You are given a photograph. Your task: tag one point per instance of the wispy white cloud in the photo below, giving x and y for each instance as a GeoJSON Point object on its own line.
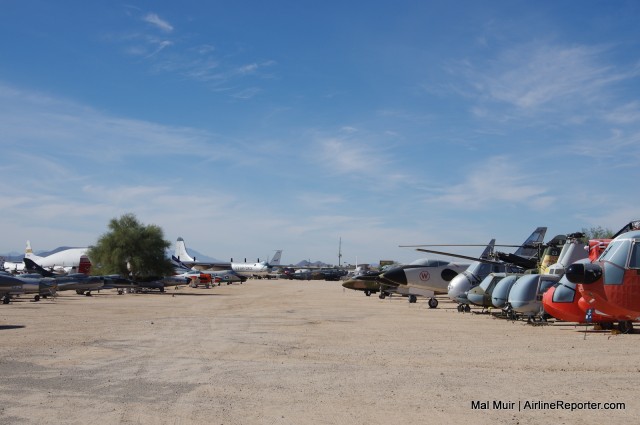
{"type": "Point", "coordinates": [28, 119]}
{"type": "Point", "coordinates": [498, 180]}
{"type": "Point", "coordinates": [542, 76]}
{"type": "Point", "coordinates": [628, 113]}
{"type": "Point", "coordinates": [160, 46]}
{"type": "Point", "coordinates": [247, 93]}
{"type": "Point", "coordinates": [199, 62]}
{"type": "Point", "coordinates": [158, 22]}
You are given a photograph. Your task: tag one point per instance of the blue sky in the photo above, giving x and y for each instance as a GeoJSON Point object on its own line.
{"type": "Point", "coordinates": [250, 126]}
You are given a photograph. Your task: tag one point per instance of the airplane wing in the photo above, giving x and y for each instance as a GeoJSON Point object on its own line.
{"type": "Point", "coordinates": [190, 266]}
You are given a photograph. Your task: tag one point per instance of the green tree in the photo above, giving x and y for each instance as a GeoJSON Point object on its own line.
{"type": "Point", "coordinates": [597, 233]}
{"type": "Point", "coordinates": [131, 249]}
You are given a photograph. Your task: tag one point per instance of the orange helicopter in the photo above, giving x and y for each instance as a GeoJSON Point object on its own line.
{"type": "Point", "coordinates": [563, 301]}
{"type": "Point", "coordinates": [567, 300]}
{"type": "Point", "coordinates": [610, 285]}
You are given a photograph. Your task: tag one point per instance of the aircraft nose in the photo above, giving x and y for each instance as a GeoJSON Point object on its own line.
{"type": "Point", "coordinates": [349, 284]}
{"type": "Point", "coordinates": [396, 275]}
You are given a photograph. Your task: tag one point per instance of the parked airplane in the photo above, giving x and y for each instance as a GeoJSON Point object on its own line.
{"type": "Point", "coordinates": [14, 267]}
{"type": "Point", "coordinates": [66, 261]}
{"type": "Point", "coordinates": [258, 269]}
{"type": "Point", "coordinates": [26, 284]}
{"type": "Point", "coordinates": [371, 282]}
{"type": "Point", "coordinates": [366, 282]}
{"type": "Point", "coordinates": [79, 282]}
{"type": "Point", "coordinates": [208, 276]}
{"type": "Point", "coordinates": [426, 277]}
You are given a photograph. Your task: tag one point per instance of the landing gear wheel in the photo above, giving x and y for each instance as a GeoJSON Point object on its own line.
{"type": "Point", "coordinates": [460, 308]}
{"type": "Point", "coordinates": [413, 299]}
{"type": "Point", "coordinates": [6, 299]}
{"type": "Point", "coordinates": [36, 298]}
{"type": "Point", "coordinates": [467, 308]}
{"type": "Point", "coordinates": [433, 303]}
{"type": "Point", "coordinates": [625, 327]}
{"type": "Point", "coordinates": [79, 292]}
{"type": "Point", "coordinates": [382, 295]}
{"type": "Point", "coordinates": [367, 292]}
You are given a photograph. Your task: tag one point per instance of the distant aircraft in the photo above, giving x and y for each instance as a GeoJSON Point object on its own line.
{"type": "Point", "coordinates": [12, 266]}
{"type": "Point", "coordinates": [228, 276]}
{"type": "Point", "coordinates": [66, 261]}
{"type": "Point", "coordinates": [258, 269]}
{"type": "Point", "coordinates": [79, 282]}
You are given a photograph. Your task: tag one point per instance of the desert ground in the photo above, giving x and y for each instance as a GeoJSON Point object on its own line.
{"type": "Point", "coordinates": [300, 352]}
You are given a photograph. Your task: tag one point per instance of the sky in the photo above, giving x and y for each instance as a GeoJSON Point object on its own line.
{"type": "Point", "coordinates": [250, 126]}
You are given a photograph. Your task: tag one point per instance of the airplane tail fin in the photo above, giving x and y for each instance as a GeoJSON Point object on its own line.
{"type": "Point", "coordinates": [33, 267]}
{"type": "Point", "coordinates": [488, 250]}
{"type": "Point", "coordinates": [530, 246]}
{"type": "Point", "coordinates": [181, 251]}
{"type": "Point", "coordinates": [179, 265]}
{"type": "Point", "coordinates": [28, 253]}
{"type": "Point", "coordinates": [275, 261]}
{"type": "Point", "coordinates": [84, 266]}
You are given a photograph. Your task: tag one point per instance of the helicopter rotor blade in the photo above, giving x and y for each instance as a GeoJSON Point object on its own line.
{"type": "Point", "coordinates": [466, 257]}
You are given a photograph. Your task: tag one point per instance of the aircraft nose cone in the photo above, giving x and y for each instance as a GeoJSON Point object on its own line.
{"type": "Point", "coordinates": [396, 275]}
{"type": "Point", "coordinates": [349, 284]}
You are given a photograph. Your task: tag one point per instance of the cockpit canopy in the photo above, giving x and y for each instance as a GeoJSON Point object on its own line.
{"type": "Point", "coordinates": [623, 251]}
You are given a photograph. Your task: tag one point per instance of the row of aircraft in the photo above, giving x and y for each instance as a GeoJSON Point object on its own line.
{"type": "Point", "coordinates": [69, 270]}
{"type": "Point", "coordinates": [596, 283]}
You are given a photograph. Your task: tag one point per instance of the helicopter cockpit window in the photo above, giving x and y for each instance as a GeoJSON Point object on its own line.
{"type": "Point", "coordinates": [617, 252]}
{"type": "Point", "coordinates": [546, 284]}
{"type": "Point", "coordinates": [565, 292]}
{"type": "Point", "coordinates": [634, 259]}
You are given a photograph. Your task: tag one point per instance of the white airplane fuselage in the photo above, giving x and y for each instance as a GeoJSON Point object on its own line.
{"type": "Point", "coordinates": [251, 269]}
{"type": "Point", "coordinates": [63, 261]}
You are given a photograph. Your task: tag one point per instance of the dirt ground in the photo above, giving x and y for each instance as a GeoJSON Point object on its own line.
{"type": "Point", "coordinates": [292, 352]}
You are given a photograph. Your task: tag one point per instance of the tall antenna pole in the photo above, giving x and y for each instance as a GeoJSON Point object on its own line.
{"type": "Point", "coordinates": [340, 252]}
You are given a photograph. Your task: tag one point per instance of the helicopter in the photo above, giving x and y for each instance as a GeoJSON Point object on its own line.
{"type": "Point", "coordinates": [482, 295]}
{"type": "Point", "coordinates": [490, 262]}
{"type": "Point", "coordinates": [565, 301]}
{"type": "Point", "coordinates": [610, 285]}
{"type": "Point", "coordinates": [525, 297]}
